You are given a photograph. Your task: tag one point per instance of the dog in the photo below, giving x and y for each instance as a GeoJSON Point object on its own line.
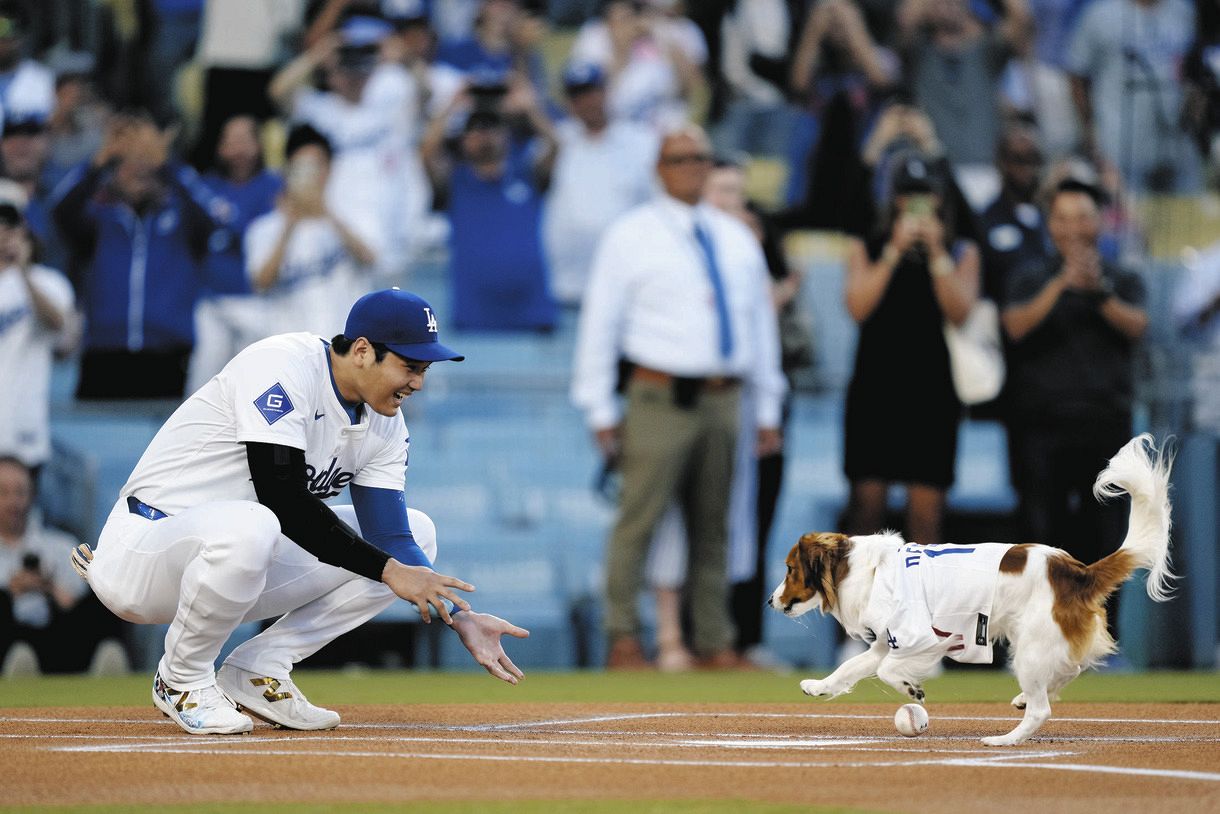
{"type": "Point", "coordinates": [917, 604]}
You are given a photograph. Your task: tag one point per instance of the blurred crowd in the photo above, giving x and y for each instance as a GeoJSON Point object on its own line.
{"type": "Point", "coordinates": [183, 177]}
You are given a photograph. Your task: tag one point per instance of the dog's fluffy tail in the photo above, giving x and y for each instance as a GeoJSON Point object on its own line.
{"type": "Point", "coordinates": [1142, 472]}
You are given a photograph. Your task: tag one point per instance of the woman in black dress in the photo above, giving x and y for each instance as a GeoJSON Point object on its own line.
{"type": "Point", "coordinates": [902, 413]}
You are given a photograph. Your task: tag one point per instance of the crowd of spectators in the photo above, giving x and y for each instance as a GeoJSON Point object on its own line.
{"type": "Point", "coordinates": [184, 177]}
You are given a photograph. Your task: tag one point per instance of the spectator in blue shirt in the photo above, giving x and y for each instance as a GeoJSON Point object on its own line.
{"type": "Point", "coordinates": [140, 225]}
{"type": "Point", "coordinates": [227, 317]}
{"type": "Point", "coordinates": [494, 186]}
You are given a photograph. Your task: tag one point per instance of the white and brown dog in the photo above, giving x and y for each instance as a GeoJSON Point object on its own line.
{"type": "Point", "coordinates": [917, 604]}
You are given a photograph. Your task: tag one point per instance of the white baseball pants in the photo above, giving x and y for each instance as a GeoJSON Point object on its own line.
{"type": "Point", "coordinates": [215, 566]}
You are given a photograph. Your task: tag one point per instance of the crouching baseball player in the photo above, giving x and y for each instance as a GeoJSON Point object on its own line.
{"type": "Point", "coordinates": [223, 520]}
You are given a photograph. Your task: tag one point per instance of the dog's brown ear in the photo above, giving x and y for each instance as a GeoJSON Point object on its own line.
{"type": "Point", "coordinates": [810, 560]}
{"type": "Point", "coordinates": [824, 558]}
{"type": "Point", "coordinates": [810, 566]}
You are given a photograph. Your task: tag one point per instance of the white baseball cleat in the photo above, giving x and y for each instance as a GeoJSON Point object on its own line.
{"type": "Point", "coordinates": [204, 711]}
{"type": "Point", "coordinates": [276, 700]}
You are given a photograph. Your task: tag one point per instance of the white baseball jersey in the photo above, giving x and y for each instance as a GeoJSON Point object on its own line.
{"type": "Point", "coordinates": [937, 596]}
{"type": "Point", "coordinates": [317, 279]}
{"type": "Point", "coordinates": [25, 356]}
{"type": "Point", "coordinates": [277, 391]}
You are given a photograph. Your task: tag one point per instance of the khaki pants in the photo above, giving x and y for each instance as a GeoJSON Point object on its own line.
{"type": "Point", "coordinates": [670, 453]}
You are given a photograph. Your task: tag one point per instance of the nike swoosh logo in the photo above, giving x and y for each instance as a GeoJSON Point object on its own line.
{"type": "Point", "coordinates": [316, 416]}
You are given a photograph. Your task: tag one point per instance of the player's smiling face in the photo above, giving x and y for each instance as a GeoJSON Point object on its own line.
{"type": "Point", "coordinates": [387, 383]}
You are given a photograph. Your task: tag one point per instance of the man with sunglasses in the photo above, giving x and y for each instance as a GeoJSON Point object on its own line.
{"type": "Point", "coordinates": [1013, 229]}
{"type": "Point", "coordinates": [680, 292]}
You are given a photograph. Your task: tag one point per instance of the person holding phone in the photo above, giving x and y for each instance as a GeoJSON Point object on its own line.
{"type": "Point", "coordinates": [493, 178]}
{"type": "Point", "coordinates": [902, 413]}
{"type": "Point", "coordinates": [302, 257]}
{"type": "Point", "coordinates": [36, 305]}
{"type": "Point", "coordinates": [42, 603]}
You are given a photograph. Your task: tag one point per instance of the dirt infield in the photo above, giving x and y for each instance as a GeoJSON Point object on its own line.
{"type": "Point", "coordinates": [1091, 757]}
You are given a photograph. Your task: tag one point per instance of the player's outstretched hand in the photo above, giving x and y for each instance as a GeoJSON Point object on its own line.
{"type": "Point", "coordinates": [480, 633]}
{"type": "Point", "coordinates": [425, 588]}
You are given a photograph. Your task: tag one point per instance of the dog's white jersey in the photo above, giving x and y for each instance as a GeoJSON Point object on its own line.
{"type": "Point", "coordinates": [936, 597]}
{"type": "Point", "coordinates": [277, 391]}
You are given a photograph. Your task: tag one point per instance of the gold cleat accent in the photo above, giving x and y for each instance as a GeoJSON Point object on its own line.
{"type": "Point", "coordinates": [272, 685]}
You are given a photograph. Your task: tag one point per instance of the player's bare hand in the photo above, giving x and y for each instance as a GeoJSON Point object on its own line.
{"type": "Point", "coordinates": [480, 634]}
{"type": "Point", "coordinates": [425, 589]}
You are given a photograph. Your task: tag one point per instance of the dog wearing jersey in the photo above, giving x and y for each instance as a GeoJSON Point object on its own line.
{"type": "Point", "coordinates": [918, 604]}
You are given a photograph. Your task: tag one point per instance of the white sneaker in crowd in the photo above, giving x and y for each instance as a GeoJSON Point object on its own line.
{"type": "Point", "coordinates": [109, 659]}
{"type": "Point", "coordinates": [276, 700]}
{"type": "Point", "coordinates": [20, 662]}
{"type": "Point", "coordinates": [764, 659]}
{"type": "Point", "coordinates": [204, 711]}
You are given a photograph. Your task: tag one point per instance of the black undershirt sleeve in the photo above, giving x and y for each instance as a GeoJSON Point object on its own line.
{"type": "Point", "coordinates": [278, 475]}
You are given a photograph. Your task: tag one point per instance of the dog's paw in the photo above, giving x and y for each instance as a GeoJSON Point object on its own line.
{"type": "Point", "coordinates": [914, 691]}
{"type": "Point", "coordinates": [814, 687]}
{"type": "Point", "coordinates": [1019, 701]}
{"type": "Point", "coordinates": [1002, 740]}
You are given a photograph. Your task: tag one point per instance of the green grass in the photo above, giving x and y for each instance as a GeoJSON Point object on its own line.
{"type": "Point", "coordinates": [415, 687]}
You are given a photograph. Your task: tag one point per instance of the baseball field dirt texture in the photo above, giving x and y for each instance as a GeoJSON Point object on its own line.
{"type": "Point", "coordinates": [593, 742]}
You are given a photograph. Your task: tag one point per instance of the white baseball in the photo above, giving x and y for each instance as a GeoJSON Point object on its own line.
{"type": "Point", "coordinates": [911, 720]}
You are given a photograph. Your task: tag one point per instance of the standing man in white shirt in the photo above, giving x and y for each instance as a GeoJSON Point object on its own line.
{"type": "Point", "coordinates": [604, 168]}
{"type": "Point", "coordinates": [679, 291]}
{"type": "Point", "coordinates": [223, 520]}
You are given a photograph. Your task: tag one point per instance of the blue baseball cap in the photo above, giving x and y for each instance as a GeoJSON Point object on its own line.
{"type": "Point", "coordinates": [581, 75]}
{"type": "Point", "coordinates": [401, 12]}
{"type": "Point", "coordinates": [364, 30]}
{"type": "Point", "coordinates": [401, 321]}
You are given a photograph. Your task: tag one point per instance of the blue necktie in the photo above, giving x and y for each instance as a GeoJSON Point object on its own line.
{"type": "Point", "coordinates": [722, 305]}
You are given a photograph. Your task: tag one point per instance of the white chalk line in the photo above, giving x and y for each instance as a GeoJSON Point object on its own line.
{"type": "Point", "coordinates": [201, 750]}
{"type": "Point", "coordinates": [225, 743]}
{"type": "Point", "coordinates": [224, 746]}
{"type": "Point", "coordinates": [637, 716]}
{"type": "Point", "coordinates": [742, 740]}
{"type": "Point", "coordinates": [1176, 774]}
{"type": "Point", "coordinates": [672, 733]}
{"type": "Point", "coordinates": [651, 715]}
{"type": "Point", "coordinates": [1007, 763]}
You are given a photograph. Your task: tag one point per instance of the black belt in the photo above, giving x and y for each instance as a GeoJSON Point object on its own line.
{"type": "Point", "coordinates": [143, 509]}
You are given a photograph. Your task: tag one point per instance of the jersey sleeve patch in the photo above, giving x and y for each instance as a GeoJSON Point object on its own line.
{"type": "Point", "coordinates": [274, 404]}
